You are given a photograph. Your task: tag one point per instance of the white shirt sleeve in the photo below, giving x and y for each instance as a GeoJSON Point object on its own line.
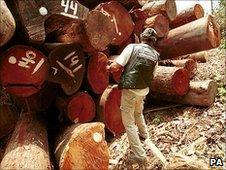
{"type": "Point", "coordinates": [124, 57]}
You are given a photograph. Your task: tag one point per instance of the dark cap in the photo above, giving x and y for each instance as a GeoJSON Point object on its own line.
{"type": "Point", "coordinates": [149, 34]}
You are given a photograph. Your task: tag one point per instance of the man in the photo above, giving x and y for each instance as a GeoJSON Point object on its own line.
{"type": "Point", "coordinates": [139, 62]}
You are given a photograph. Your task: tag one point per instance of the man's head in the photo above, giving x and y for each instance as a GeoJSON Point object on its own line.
{"type": "Point", "coordinates": [148, 36]}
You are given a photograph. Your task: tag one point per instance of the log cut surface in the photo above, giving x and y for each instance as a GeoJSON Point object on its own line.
{"type": "Point", "coordinates": [28, 146]}
{"type": "Point", "coordinates": [82, 147]}
{"type": "Point", "coordinates": [110, 113]}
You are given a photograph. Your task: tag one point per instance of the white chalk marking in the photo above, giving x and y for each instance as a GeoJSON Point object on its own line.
{"type": "Point", "coordinates": [55, 70]}
{"type": "Point", "coordinates": [30, 55]}
{"type": "Point", "coordinates": [97, 137]}
{"type": "Point", "coordinates": [73, 6]}
{"type": "Point", "coordinates": [43, 11]}
{"type": "Point", "coordinates": [12, 60]}
{"type": "Point", "coordinates": [116, 25]}
{"type": "Point", "coordinates": [69, 15]}
{"type": "Point", "coordinates": [77, 68]}
{"type": "Point", "coordinates": [38, 65]}
{"type": "Point", "coordinates": [68, 71]}
{"type": "Point", "coordinates": [69, 55]}
{"type": "Point", "coordinates": [74, 61]}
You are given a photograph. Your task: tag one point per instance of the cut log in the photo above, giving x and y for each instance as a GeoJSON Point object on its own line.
{"type": "Point", "coordinates": [201, 93]}
{"type": "Point", "coordinates": [188, 64]}
{"type": "Point", "coordinates": [199, 35]}
{"type": "Point", "coordinates": [82, 147]}
{"type": "Point", "coordinates": [97, 74]}
{"type": "Point", "coordinates": [8, 25]}
{"type": "Point", "coordinates": [165, 7]}
{"type": "Point", "coordinates": [110, 112]}
{"type": "Point", "coordinates": [40, 101]}
{"type": "Point", "coordinates": [187, 15]}
{"type": "Point", "coordinates": [8, 119]}
{"type": "Point", "coordinates": [100, 35]}
{"type": "Point", "coordinates": [170, 80]}
{"type": "Point", "coordinates": [63, 29]}
{"type": "Point", "coordinates": [158, 22]}
{"type": "Point", "coordinates": [28, 146]}
{"type": "Point", "coordinates": [23, 70]}
{"type": "Point", "coordinates": [78, 108]}
{"type": "Point", "coordinates": [51, 46]}
{"type": "Point", "coordinates": [33, 13]}
{"type": "Point", "coordinates": [123, 22]}
{"type": "Point", "coordinates": [201, 57]}
{"type": "Point", "coordinates": [67, 67]}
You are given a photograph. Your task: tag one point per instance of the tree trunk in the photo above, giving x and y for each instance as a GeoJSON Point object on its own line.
{"type": "Point", "coordinates": [67, 67]}
{"type": "Point", "coordinates": [170, 80]}
{"type": "Point", "coordinates": [201, 57]}
{"type": "Point", "coordinates": [77, 108]}
{"type": "Point", "coordinates": [165, 7]}
{"type": "Point", "coordinates": [201, 93]}
{"type": "Point", "coordinates": [199, 35]}
{"type": "Point", "coordinates": [188, 64]}
{"type": "Point", "coordinates": [33, 13]}
{"type": "Point", "coordinates": [97, 74]}
{"type": "Point", "coordinates": [8, 25]}
{"type": "Point", "coordinates": [23, 70]}
{"type": "Point", "coordinates": [8, 119]}
{"type": "Point", "coordinates": [158, 22]}
{"type": "Point", "coordinates": [109, 110]}
{"type": "Point", "coordinates": [187, 15]}
{"type": "Point", "coordinates": [28, 146]}
{"type": "Point", "coordinates": [82, 147]}
{"type": "Point", "coordinates": [123, 22]}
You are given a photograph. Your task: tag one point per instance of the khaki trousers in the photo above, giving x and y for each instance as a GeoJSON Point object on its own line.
{"type": "Point", "coordinates": [132, 107]}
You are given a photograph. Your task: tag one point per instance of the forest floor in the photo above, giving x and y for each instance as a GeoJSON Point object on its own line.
{"type": "Point", "coordinates": [187, 136]}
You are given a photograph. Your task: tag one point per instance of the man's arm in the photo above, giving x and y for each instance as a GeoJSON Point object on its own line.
{"type": "Point", "coordinates": [121, 60]}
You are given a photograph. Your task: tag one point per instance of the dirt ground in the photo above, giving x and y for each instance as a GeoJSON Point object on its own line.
{"type": "Point", "coordinates": [187, 136]}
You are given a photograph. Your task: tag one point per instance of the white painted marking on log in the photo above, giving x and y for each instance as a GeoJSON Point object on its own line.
{"type": "Point", "coordinates": [43, 11]}
{"type": "Point", "coordinates": [73, 6]}
{"type": "Point", "coordinates": [69, 15]}
{"type": "Point", "coordinates": [76, 120]}
{"type": "Point", "coordinates": [74, 61]}
{"type": "Point", "coordinates": [38, 65]}
{"type": "Point", "coordinates": [77, 68]}
{"type": "Point", "coordinates": [116, 25]}
{"type": "Point", "coordinates": [69, 55]}
{"type": "Point", "coordinates": [12, 60]}
{"type": "Point", "coordinates": [68, 71]}
{"type": "Point", "coordinates": [55, 70]}
{"type": "Point", "coordinates": [97, 137]}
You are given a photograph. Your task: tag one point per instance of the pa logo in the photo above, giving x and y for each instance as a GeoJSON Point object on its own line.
{"type": "Point", "coordinates": [216, 162]}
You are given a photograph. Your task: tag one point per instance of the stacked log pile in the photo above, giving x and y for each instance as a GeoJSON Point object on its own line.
{"type": "Point", "coordinates": [58, 72]}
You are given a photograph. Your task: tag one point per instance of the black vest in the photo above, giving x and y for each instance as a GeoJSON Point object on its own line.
{"type": "Point", "coordinates": [138, 73]}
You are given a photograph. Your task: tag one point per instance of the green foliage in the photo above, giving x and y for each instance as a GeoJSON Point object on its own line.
{"type": "Point", "coordinates": [220, 14]}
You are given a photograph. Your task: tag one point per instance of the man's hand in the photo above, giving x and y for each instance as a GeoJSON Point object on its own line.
{"type": "Point", "coordinates": [113, 67]}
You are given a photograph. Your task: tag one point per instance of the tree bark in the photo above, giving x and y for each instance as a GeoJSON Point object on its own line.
{"type": "Point", "coordinates": [28, 146]}
{"type": "Point", "coordinates": [97, 74]}
{"type": "Point", "coordinates": [201, 57]}
{"type": "Point", "coordinates": [123, 22]}
{"type": "Point", "coordinates": [82, 147]}
{"type": "Point", "coordinates": [67, 64]}
{"type": "Point", "coordinates": [187, 15]}
{"type": "Point", "coordinates": [165, 7]}
{"type": "Point", "coordinates": [188, 64]}
{"type": "Point", "coordinates": [158, 22]}
{"type": "Point", "coordinates": [8, 25]}
{"type": "Point", "coordinates": [8, 119]}
{"type": "Point", "coordinates": [201, 93]}
{"type": "Point", "coordinates": [199, 35]}
{"type": "Point", "coordinates": [33, 13]}
{"type": "Point", "coordinates": [23, 70]}
{"type": "Point", "coordinates": [109, 110]}
{"type": "Point", "coordinates": [77, 108]}
{"type": "Point", "coordinates": [170, 80]}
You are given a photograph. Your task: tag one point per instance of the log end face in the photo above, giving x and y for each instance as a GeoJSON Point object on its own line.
{"type": "Point", "coordinates": [100, 35]}
{"type": "Point", "coordinates": [199, 11]}
{"type": "Point", "coordinates": [81, 108]}
{"type": "Point", "coordinates": [180, 81]}
{"type": "Point", "coordinates": [171, 9]}
{"type": "Point", "coordinates": [213, 30]}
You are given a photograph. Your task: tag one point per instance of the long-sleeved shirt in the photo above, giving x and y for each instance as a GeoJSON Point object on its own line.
{"type": "Point", "coordinates": [123, 59]}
